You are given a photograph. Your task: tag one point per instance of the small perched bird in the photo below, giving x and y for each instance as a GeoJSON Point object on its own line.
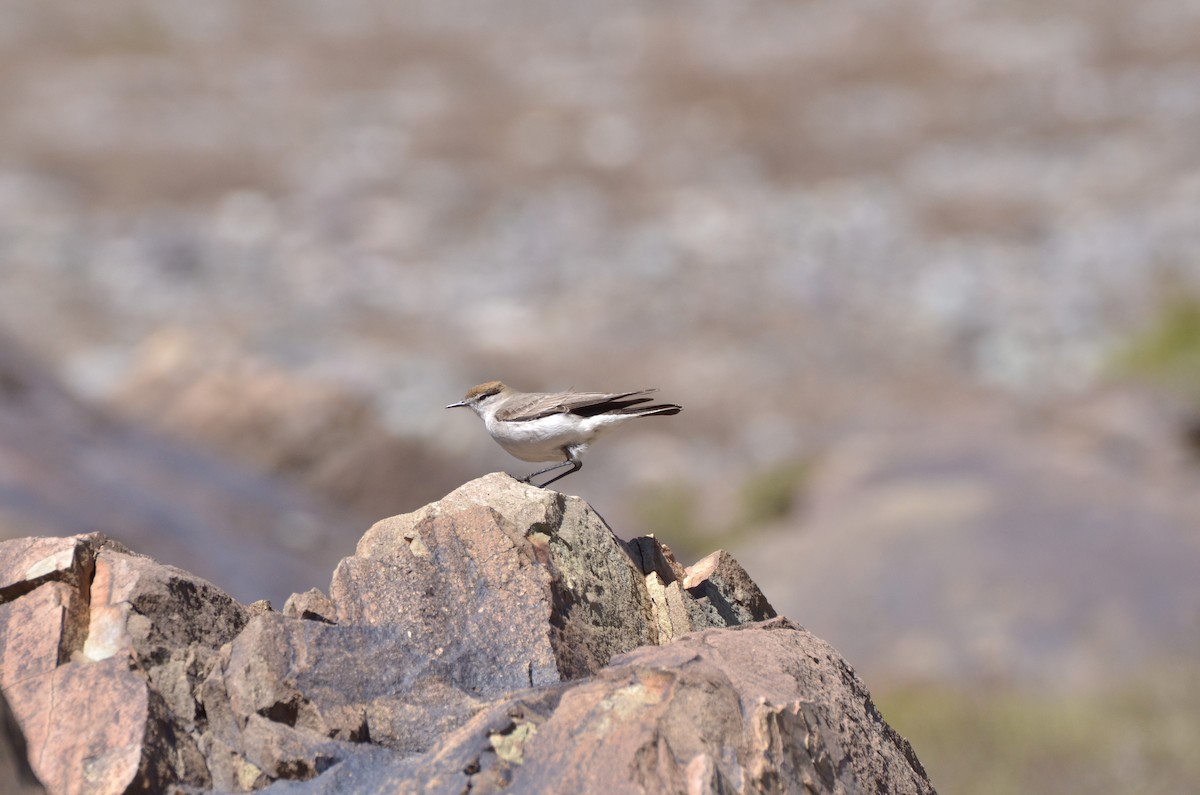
{"type": "Point", "coordinates": [555, 426]}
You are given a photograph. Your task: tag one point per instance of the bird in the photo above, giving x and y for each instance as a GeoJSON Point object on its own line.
{"type": "Point", "coordinates": [555, 426]}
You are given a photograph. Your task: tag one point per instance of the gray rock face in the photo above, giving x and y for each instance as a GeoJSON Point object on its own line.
{"type": "Point", "coordinates": [500, 638]}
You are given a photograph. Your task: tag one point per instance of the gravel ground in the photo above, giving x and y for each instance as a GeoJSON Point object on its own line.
{"type": "Point", "coordinates": [764, 195]}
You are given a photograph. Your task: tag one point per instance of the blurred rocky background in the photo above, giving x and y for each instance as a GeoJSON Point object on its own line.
{"type": "Point", "coordinates": [924, 274]}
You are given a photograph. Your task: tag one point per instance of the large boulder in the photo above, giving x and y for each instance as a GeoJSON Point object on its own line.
{"type": "Point", "coordinates": [500, 637]}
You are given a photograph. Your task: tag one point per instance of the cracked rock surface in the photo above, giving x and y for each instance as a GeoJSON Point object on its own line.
{"type": "Point", "coordinates": [502, 638]}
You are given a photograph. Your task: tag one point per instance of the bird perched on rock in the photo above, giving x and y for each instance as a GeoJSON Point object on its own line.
{"type": "Point", "coordinates": [555, 426]}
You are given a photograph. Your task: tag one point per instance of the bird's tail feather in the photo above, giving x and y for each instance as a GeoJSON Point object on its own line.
{"type": "Point", "coordinates": [663, 409]}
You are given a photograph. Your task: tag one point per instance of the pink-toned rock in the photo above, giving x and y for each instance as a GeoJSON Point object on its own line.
{"type": "Point", "coordinates": [100, 649]}
{"type": "Point", "coordinates": [98, 728]}
{"type": "Point", "coordinates": [15, 772]}
{"type": "Point", "coordinates": [40, 631]}
{"type": "Point", "coordinates": [25, 563]}
{"type": "Point", "coordinates": [500, 638]}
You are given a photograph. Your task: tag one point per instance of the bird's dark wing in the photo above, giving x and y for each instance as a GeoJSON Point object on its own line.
{"type": "Point", "coordinates": [585, 404]}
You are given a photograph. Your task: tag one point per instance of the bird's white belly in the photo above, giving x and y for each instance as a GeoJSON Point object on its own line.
{"type": "Point", "coordinates": [543, 439]}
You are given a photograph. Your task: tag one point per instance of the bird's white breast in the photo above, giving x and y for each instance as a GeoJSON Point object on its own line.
{"type": "Point", "coordinates": [543, 439]}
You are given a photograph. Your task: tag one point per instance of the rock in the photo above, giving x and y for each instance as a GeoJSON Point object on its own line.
{"type": "Point", "coordinates": [313, 605]}
{"type": "Point", "coordinates": [543, 548]}
{"type": "Point", "coordinates": [99, 661]}
{"type": "Point", "coordinates": [501, 637]}
{"type": "Point", "coordinates": [170, 622]}
{"type": "Point", "coordinates": [100, 728]}
{"type": "Point", "coordinates": [41, 631]}
{"type": "Point", "coordinates": [26, 564]}
{"type": "Point", "coordinates": [499, 586]}
{"type": "Point", "coordinates": [724, 587]}
{"type": "Point", "coordinates": [44, 611]}
{"type": "Point", "coordinates": [764, 707]}
{"type": "Point", "coordinates": [15, 771]}
{"type": "Point", "coordinates": [759, 708]}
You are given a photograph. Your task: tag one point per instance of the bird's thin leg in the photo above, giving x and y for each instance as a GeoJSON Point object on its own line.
{"type": "Point", "coordinates": [529, 478]}
{"type": "Point", "coordinates": [575, 467]}
{"type": "Point", "coordinates": [572, 459]}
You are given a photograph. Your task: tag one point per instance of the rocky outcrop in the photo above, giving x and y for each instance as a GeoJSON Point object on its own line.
{"type": "Point", "coordinates": [501, 638]}
{"type": "Point", "coordinates": [101, 651]}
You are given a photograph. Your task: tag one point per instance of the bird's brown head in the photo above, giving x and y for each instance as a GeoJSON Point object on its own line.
{"type": "Point", "coordinates": [485, 389]}
{"type": "Point", "coordinates": [481, 392]}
